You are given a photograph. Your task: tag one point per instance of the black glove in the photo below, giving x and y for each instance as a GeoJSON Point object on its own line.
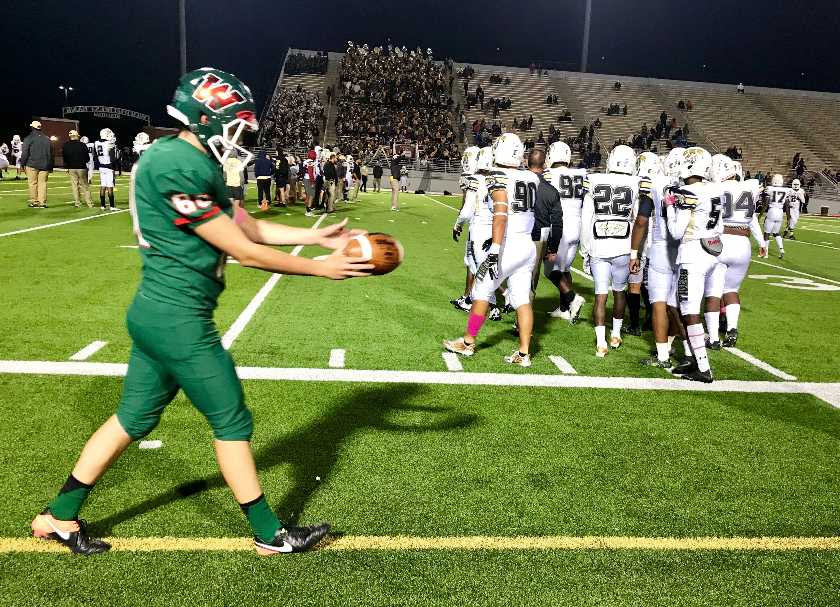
{"type": "Point", "coordinates": [491, 265]}
{"type": "Point", "coordinates": [456, 231]}
{"type": "Point", "coordinates": [487, 244]}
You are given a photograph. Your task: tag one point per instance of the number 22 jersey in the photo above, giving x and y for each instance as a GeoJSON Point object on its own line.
{"type": "Point", "coordinates": [610, 205]}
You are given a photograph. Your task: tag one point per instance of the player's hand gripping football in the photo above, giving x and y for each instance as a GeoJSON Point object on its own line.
{"type": "Point", "coordinates": [335, 237]}
{"type": "Point", "coordinates": [339, 266]}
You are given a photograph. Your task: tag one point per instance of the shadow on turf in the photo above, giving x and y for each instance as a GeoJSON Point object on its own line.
{"type": "Point", "coordinates": [314, 449]}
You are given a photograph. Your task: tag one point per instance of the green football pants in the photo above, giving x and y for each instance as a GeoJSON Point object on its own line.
{"type": "Point", "coordinates": [174, 348]}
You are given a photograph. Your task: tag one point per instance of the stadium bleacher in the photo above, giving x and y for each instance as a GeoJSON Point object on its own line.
{"type": "Point", "coordinates": [769, 125]}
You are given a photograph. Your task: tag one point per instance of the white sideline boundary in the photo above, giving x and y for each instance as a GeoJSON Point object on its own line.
{"type": "Point", "coordinates": [63, 223]}
{"type": "Point", "coordinates": [563, 365]}
{"type": "Point", "coordinates": [814, 244]}
{"type": "Point", "coordinates": [247, 314]}
{"type": "Point", "coordinates": [828, 392]}
{"type": "Point", "coordinates": [443, 204]}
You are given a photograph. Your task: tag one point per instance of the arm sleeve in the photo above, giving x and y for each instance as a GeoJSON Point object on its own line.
{"type": "Point", "coordinates": [587, 212]}
{"type": "Point", "coordinates": [677, 220]}
{"type": "Point", "coordinates": [189, 198]}
{"type": "Point", "coordinates": [645, 206]}
{"type": "Point", "coordinates": [556, 219]}
{"type": "Point", "coordinates": [467, 209]}
{"type": "Point", "coordinates": [755, 230]}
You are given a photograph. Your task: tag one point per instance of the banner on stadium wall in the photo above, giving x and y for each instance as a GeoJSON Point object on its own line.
{"type": "Point", "coordinates": [105, 111]}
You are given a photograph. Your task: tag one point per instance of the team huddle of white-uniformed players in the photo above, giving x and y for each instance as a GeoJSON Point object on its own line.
{"type": "Point", "coordinates": [675, 228]}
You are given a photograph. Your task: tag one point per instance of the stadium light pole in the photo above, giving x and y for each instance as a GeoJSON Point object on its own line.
{"type": "Point", "coordinates": [66, 90]}
{"type": "Point", "coordinates": [182, 31]}
{"type": "Point", "coordinates": [587, 22]}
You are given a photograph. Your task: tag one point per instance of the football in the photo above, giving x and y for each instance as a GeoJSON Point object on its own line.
{"type": "Point", "coordinates": [384, 251]}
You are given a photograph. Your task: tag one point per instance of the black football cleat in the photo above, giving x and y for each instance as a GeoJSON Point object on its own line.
{"type": "Point", "coordinates": [633, 330]}
{"type": "Point", "coordinates": [653, 361]}
{"type": "Point", "coordinates": [688, 365]}
{"type": "Point", "coordinates": [731, 338]}
{"type": "Point", "coordinates": [701, 376]}
{"type": "Point", "coordinates": [292, 539]}
{"type": "Point", "coordinates": [712, 345]}
{"type": "Point", "coordinates": [72, 534]}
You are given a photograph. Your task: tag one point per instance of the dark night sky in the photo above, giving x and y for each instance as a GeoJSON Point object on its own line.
{"type": "Point", "coordinates": [126, 53]}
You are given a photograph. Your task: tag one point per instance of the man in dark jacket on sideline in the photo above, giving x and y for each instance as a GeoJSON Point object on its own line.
{"type": "Point", "coordinates": [377, 178]}
{"type": "Point", "coordinates": [37, 157]}
{"type": "Point", "coordinates": [263, 171]}
{"type": "Point", "coordinates": [330, 176]}
{"type": "Point", "coordinates": [548, 216]}
{"type": "Point", "coordinates": [75, 155]}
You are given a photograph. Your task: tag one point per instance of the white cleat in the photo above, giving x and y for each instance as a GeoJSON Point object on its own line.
{"type": "Point", "coordinates": [601, 352]}
{"type": "Point", "coordinates": [518, 359]}
{"type": "Point", "coordinates": [615, 342]}
{"type": "Point", "coordinates": [575, 307]}
{"type": "Point", "coordinates": [564, 314]}
{"type": "Point", "coordinates": [459, 346]}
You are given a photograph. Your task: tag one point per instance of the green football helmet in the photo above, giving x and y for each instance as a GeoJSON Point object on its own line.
{"type": "Point", "coordinates": [217, 107]}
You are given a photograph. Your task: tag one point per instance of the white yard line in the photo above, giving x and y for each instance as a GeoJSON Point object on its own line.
{"type": "Point", "coordinates": [814, 244]}
{"type": "Point", "coordinates": [581, 273]}
{"type": "Point", "coordinates": [62, 223]}
{"type": "Point", "coordinates": [563, 364]}
{"type": "Point", "coordinates": [336, 359]}
{"type": "Point", "coordinates": [807, 229]}
{"type": "Point", "coordinates": [89, 350]}
{"type": "Point", "coordinates": [772, 265]}
{"type": "Point", "coordinates": [452, 362]}
{"type": "Point", "coordinates": [443, 204]}
{"type": "Point", "coordinates": [829, 391]}
{"type": "Point", "coordinates": [761, 364]}
{"type": "Point", "coordinates": [248, 313]}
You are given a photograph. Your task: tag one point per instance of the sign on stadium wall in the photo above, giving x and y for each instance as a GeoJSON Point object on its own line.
{"type": "Point", "coordinates": [105, 111]}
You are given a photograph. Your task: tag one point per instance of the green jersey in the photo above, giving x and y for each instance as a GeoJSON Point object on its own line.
{"type": "Point", "coordinates": [174, 188]}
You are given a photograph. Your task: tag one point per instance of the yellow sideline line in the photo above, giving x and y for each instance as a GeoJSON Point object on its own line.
{"type": "Point", "coordinates": [394, 543]}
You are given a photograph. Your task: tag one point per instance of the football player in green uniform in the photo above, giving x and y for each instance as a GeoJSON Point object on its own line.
{"type": "Point", "coordinates": [186, 227]}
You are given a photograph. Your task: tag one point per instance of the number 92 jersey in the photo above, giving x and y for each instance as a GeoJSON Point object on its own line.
{"type": "Point", "coordinates": [521, 188]}
{"type": "Point", "coordinates": [569, 182]}
{"type": "Point", "coordinates": [611, 202]}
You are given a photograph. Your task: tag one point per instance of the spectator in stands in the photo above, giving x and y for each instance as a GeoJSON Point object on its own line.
{"type": "Point", "coordinates": [741, 87]}
{"type": "Point", "coordinates": [294, 119]}
{"type": "Point", "coordinates": [377, 177]}
{"type": "Point", "coordinates": [37, 157]}
{"type": "Point", "coordinates": [624, 109]}
{"type": "Point", "coordinates": [617, 85]}
{"type": "Point", "coordinates": [795, 161]}
{"type": "Point", "coordinates": [479, 95]}
{"type": "Point", "coordinates": [298, 63]}
{"type": "Point", "coordinates": [530, 122]}
{"type": "Point", "coordinates": [800, 168]}
{"type": "Point", "coordinates": [689, 105]}
{"type": "Point", "coordinates": [263, 171]}
{"type": "Point", "coordinates": [681, 105]}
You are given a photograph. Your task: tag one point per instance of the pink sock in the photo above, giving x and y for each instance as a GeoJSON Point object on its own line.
{"type": "Point", "coordinates": [474, 324]}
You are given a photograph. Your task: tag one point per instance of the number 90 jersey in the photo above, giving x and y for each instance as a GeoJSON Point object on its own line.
{"type": "Point", "coordinates": [569, 182]}
{"type": "Point", "coordinates": [521, 188]}
{"type": "Point", "coordinates": [610, 205]}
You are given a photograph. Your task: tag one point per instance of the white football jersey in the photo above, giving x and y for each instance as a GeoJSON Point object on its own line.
{"type": "Point", "coordinates": [698, 211]}
{"type": "Point", "coordinates": [521, 188]}
{"type": "Point", "coordinates": [569, 182]}
{"type": "Point", "coordinates": [104, 150]}
{"type": "Point", "coordinates": [610, 205]}
{"type": "Point", "coordinates": [776, 199]}
{"type": "Point", "coordinates": [16, 147]}
{"type": "Point", "coordinates": [657, 188]}
{"type": "Point", "coordinates": [738, 201]}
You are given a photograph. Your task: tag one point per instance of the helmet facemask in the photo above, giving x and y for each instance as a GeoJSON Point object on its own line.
{"type": "Point", "coordinates": [221, 142]}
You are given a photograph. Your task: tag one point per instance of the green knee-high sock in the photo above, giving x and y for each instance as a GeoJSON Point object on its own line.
{"type": "Point", "coordinates": [66, 505]}
{"type": "Point", "coordinates": [262, 519]}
